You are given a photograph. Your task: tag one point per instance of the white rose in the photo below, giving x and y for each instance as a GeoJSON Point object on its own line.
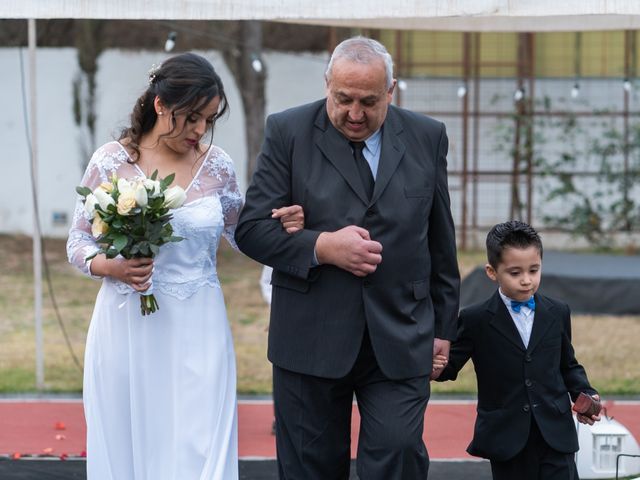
{"type": "Point", "coordinates": [152, 186]}
{"type": "Point", "coordinates": [126, 202]}
{"type": "Point", "coordinates": [90, 205]}
{"type": "Point", "coordinates": [174, 197]}
{"type": "Point", "coordinates": [124, 185]}
{"type": "Point", "coordinates": [104, 199]}
{"type": "Point", "coordinates": [141, 195]}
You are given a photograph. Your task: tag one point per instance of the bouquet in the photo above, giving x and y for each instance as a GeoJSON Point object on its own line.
{"type": "Point", "coordinates": [131, 218]}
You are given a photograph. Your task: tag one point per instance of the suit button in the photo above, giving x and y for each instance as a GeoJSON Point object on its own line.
{"type": "Point", "coordinates": [370, 212]}
{"type": "Point", "coordinates": [528, 382]}
{"type": "Point", "coordinates": [527, 358]}
{"type": "Point", "coordinates": [526, 408]}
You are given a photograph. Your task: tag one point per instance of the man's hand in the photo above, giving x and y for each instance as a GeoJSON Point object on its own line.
{"type": "Point", "coordinates": [441, 347]}
{"type": "Point", "coordinates": [439, 362]}
{"type": "Point", "coordinates": [351, 249]}
{"type": "Point", "coordinates": [589, 420]}
{"type": "Point", "coordinates": [291, 218]}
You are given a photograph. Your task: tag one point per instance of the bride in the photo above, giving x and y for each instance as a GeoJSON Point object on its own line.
{"type": "Point", "coordinates": [160, 390]}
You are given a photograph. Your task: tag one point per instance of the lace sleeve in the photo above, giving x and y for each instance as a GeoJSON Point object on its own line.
{"type": "Point", "coordinates": [231, 200]}
{"type": "Point", "coordinates": [81, 243]}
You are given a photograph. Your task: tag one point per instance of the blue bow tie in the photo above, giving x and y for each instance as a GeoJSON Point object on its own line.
{"type": "Point", "coordinates": [515, 305]}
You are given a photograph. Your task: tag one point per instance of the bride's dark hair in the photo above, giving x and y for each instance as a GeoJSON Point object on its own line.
{"type": "Point", "coordinates": [185, 83]}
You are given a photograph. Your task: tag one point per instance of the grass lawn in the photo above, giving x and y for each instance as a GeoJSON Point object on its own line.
{"type": "Point", "coordinates": [607, 346]}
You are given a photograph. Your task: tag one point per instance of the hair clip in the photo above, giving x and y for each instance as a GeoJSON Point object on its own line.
{"type": "Point", "coordinates": [153, 72]}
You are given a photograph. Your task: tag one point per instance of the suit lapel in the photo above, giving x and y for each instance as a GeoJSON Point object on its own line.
{"type": "Point", "coordinates": [392, 152]}
{"type": "Point", "coordinates": [335, 147]}
{"type": "Point", "coordinates": [542, 320]}
{"type": "Point", "coordinates": [503, 322]}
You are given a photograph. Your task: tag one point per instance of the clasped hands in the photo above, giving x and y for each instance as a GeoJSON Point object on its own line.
{"type": "Point", "coordinates": [350, 249]}
{"type": "Point", "coordinates": [440, 356]}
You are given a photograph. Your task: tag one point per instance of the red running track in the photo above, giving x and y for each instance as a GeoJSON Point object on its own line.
{"type": "Point", "coordinates": [57, 427]}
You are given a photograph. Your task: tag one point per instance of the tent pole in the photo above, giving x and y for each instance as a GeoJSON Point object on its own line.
{"type": "Point", "coordinates": [37, 247]}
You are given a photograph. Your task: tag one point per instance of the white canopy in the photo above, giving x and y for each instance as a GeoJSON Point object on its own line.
{"type": "Point", "coordinates": [460, 15]}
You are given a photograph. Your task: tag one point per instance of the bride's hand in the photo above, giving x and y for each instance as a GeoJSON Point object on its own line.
{"type": "Point", "coordinates": [135, 271]}
{"type": "Point", "coordinates": [291, 218]}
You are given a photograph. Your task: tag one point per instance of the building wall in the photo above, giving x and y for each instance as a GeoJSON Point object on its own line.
{"type": "Point", "coordinates": [292, 79]}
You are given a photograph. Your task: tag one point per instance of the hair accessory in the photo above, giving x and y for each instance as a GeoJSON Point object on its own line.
{"type": "Point", "coordinates": [153, 71]}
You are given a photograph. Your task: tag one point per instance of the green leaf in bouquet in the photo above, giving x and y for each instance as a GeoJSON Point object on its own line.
{"type": "Point", "coordinates": [111, 252]}
{"type": "Point", "coordinates": [167, 230]}
{"type": "Point", "coordinates": [84, 191]}
{"type": "Point", "coordinates": [143, 249]}
{"type": "Point", "coordinates": [119, 242]}
{"type": "Point", "coordinates": [154, 175]}
{"type": "Point", "coordinates": [155, 237]}
{"type": "Point", "coordinates": [166, 181]}
{"type": "Point", "coordinates": [173, 239]}
{"type": "Point", "coordinates": [155, 249]}
{"type": "Point", "coordinates": [117, 223]}
{"type": "Point", "coordinates": [155, 226]}
{"type": "Point", "coordinates": [155, 203]}
{"type": "Point", "coordinates": [106, 238]}
{"type": "Point", "coordinates": [107, 218]}
{"type": "Point", "coordinates": [139, 231]}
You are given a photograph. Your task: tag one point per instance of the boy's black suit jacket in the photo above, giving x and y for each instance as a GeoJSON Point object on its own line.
{"type": "Point", "coordinates": [517, 384]}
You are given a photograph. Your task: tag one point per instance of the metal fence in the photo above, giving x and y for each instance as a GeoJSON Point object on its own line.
{"type": "Point", "coordinates": [542, 127]}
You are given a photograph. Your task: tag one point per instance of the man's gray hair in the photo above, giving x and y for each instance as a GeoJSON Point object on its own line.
{"type": "Point", "coordinates": [362, 50]}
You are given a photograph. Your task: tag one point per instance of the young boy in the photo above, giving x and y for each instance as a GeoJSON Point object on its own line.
{"type": "Point", "coordinates": [520, 345]}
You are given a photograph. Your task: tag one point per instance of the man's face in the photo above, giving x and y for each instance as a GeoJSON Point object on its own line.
{"type": "Point", "coordinates": [518, 273]}
{"type": "Point", "coordinates": [357, 98]}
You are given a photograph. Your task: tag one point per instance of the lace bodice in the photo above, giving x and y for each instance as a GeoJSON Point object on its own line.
{"type": "Point", "coordinates": [211, 210]}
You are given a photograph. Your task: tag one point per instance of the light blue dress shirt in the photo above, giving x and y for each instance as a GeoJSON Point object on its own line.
{"type": "Point", "coordinates": [371, 152]}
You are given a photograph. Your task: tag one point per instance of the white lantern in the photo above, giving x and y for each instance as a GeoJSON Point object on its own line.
{"type": "Point", "coordinates": [600, 446]}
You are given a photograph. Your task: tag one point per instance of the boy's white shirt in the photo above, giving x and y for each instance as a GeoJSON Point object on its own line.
{"type": "Point", "coordinates": [523, 320]}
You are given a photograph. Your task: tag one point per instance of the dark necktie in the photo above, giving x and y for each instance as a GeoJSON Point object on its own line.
{"type": "Point", "coordinates": [363, 167]}
{"type": "Point", "coordinates": [516, 306]}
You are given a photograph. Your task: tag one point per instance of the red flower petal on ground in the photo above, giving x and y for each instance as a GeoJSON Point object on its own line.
{"type": "Point", "coordinates": [60, 426]}
{"type": "Point", "coordinates": [47, 451]}
{"type": "Point", "coordinates": [63, 456]}
{"type": "Point", "coordinates": [60, 437]}
{"type": "Point", "coordinates": [15, 456]}
{"type": "Point", "coordinates": [83, 453]}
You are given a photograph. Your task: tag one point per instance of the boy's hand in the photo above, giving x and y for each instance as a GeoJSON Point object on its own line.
{"type": "Point", "coordinates": [589, 420]}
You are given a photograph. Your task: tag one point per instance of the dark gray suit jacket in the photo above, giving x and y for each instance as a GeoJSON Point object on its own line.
{"type": "Point", "coordinates": [318, 314]}
{"type": "Point", "coordinates": [516, 384]}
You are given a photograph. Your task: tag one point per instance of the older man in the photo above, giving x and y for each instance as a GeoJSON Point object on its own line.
{"type": "Point", "coordinates": [367, 293]}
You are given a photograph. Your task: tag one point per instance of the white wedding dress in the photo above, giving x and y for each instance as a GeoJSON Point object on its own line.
{"type": "Point", "coordinates": [160, 391]}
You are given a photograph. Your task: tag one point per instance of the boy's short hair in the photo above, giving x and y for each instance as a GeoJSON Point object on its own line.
{"type": "Point", "coordinates": [514, 234]}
